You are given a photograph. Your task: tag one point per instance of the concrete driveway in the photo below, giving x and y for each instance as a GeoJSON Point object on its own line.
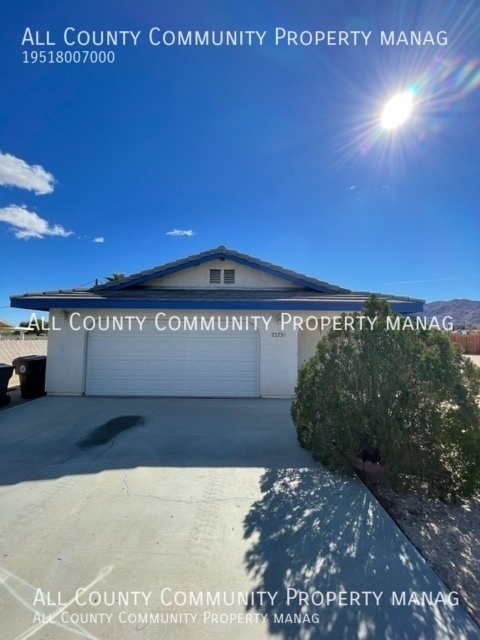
{"type": "Point", "coordinates": [201, 519]}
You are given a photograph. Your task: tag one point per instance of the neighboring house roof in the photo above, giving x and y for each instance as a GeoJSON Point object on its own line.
{"type": "Point", "coordinates": [127, 293]}
{"type": "Point", "coordinates": [4, 325]}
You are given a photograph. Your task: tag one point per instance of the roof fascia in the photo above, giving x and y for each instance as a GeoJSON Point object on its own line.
{"type": "Point", "coordinates": [44, 304]}
{"type": "Point", "coordinates": [295, 278]}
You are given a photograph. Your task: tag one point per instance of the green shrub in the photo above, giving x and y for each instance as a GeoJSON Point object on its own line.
{"type": "Point", "coordinates": [404, 397]}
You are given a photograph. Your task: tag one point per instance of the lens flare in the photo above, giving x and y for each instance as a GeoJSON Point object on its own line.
{"type": "Point", "coordinates": [397, 110]}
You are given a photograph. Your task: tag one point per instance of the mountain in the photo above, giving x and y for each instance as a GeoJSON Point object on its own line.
{"type": "Point", "coordinates": [462, 311]}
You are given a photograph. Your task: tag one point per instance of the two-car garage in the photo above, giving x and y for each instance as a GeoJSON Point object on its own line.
{"type": "Point", "coordinates": [149, 362]}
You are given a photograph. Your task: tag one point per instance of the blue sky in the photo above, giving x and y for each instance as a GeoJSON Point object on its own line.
{"type": "Point", "coordinates": [274, 150]}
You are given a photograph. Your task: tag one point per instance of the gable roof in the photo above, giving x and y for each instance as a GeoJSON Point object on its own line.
{"type": "Point", "coordinates": [127, 293]}
{"type": "Point", "coordinates": [221, 253]}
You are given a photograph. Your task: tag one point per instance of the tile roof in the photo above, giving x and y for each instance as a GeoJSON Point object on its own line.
{"type": "Point", "coordinates": [212, 294]}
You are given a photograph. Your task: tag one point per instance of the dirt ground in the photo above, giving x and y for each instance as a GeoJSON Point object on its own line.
{"type": "Point", "coordinates": [475, 359]}
{"type": "Point", "coordinates": [14, 381]}
{"type": "Point", "coordinates": [448, 536]}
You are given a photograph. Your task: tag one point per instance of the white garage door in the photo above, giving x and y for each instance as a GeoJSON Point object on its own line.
{"type": "Point", "coordinates": [172, 363]}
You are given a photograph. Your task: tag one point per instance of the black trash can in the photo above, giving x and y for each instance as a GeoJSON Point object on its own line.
{"type": "Point", "coordinates": [6, 371]}
{"type": "Point", "coordinates": [31, 370]}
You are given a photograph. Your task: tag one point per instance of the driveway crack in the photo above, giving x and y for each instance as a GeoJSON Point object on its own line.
{"type": "Point", "coordinates": [125, 482]}
{"type": "Point", "coordinates": [106, 449]}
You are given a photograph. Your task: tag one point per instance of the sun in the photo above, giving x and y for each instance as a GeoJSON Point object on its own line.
{"type": "Point", "coordinates": [397, 110]}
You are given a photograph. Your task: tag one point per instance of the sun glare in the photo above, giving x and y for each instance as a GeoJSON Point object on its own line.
{"type": "Point", "coordinates": [397, 110]}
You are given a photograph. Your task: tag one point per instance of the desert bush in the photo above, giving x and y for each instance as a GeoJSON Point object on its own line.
{"type": "Point", "coordinates": [405, 398]}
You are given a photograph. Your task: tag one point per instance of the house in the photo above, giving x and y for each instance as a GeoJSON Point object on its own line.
{"type": "Point", "coordinates": [6, 326]}
{"type": "Point", "coordinates": [9, 329]}
{"type": "Point", "coordinates": [216, 324]}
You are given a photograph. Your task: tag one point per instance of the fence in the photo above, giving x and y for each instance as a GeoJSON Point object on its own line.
{"type": "Point", "coordinates": [470, 343]}
{"type": "Point", "coordinates": [11, 349]}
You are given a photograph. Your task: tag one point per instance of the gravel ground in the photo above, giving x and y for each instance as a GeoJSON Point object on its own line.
{"type": "Point", "coordinates": [448, 536]}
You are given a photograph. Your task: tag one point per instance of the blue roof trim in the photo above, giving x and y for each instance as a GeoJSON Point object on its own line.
{"type": "Point", "coordinates": [131, 282]}
{"type": "Point", "coordinates": [44, 304]}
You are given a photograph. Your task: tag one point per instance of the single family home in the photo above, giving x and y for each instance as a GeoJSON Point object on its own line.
{"type": "Point", "coordinates": [216, 324]}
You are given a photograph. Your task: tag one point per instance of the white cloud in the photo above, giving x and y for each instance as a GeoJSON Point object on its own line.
{"type": "Point", "coordinates": [27, 224]}
{"type": "Point", "coordinates": [99, 239]}
{"type": "Point", "coordinates": [181, 232]}
{"type": "Point", "coordinates": [17, 173]}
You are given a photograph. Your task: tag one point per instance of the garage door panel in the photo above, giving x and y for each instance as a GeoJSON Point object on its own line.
{"type": "Point", "coordinates": [248, 366]}
{"type": "Point", "coordinates": [250, 348]}
{"type": "Point", "coordinates": [227, 367]}
{"type": "Point", "coordinates": [172, 363]}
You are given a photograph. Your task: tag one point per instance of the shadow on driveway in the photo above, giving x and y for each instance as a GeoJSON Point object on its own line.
{"type": "Point", "coordinates": [53, 437]}
{"type": "Point", "coordinates": [313, 533]}
{"type": "Point", "coordinates": [207, 492]}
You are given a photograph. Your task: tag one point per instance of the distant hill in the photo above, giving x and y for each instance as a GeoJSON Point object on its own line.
{"type": "Point", "coordinates": [462, 311]}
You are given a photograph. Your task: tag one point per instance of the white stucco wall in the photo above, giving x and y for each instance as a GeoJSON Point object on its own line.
{"type": "Point", "coordinates": [278, 362]}
{"type": "Point", "coordinates": [199, 277]}
{"type": "Point", "coordinates": [65, 357]}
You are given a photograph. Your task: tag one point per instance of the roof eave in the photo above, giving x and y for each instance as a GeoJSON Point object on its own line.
{"type": "Point", "coordinates": [46, 303]}
{"type": "Point", "coordinates": [192, 261]}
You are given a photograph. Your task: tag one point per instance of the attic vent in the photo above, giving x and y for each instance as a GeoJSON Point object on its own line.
{"type": "Point", "coordinates": [229, 276]}
{"type": "Point", "coordinates": [215, 276]}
